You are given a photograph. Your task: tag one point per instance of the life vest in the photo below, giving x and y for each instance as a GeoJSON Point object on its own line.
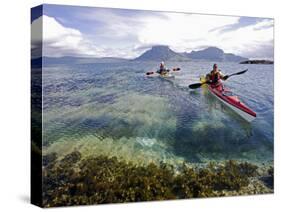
{"type": "Point", "coordinates": [215, 77]}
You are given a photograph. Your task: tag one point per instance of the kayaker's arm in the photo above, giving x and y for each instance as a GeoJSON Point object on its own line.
{"type": "Point", "coordinates": [222, 76]}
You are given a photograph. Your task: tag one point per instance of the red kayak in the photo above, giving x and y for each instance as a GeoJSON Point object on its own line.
{"type": "Point", "coordinates": [226, 96]}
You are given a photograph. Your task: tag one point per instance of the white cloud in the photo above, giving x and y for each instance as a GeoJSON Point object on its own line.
{"type": "Point", "coordinates": [190, 32]}
{"type": "Point", "coordinates": [115, 25]}
{"type": "Point", "coordinates": [183, 32]}
{"type": "Point", "coordinates": [186, 32]}
{"type": "Point", "coordinates": [248, 39]}
{"type": "Point", "coordinates": [122, 36]}
{"type": "Point", "coordinates": [62, 41]}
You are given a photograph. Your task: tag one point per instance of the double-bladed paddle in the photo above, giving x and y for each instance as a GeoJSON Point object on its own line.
{"type": "Point", "coordinates": [198, 85]}
{"type": "Point", "coordinates": [152, 72]}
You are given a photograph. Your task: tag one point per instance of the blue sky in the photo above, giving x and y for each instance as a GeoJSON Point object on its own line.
{"type": "Point", "coordinates": [101, 32]}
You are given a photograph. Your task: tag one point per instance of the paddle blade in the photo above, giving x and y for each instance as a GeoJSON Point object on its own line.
{"type": "Point", "coordinates": [176, 69]}
{"type": "Point", "coordinates": [238, 73]}
{"type": "Point", "coordinates": [242, 72]}
{"type": "Point", "coordinates": [150, 72]}
{"type": "Point", "coordinates": [195, 85]}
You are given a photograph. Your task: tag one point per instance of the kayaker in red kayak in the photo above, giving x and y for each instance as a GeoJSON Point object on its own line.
{"type": "Point", "coordinates": [224, 94]}
{"type": "Point", "coordinates": [215, 76]}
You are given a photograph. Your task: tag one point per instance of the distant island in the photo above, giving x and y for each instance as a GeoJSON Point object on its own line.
{"type": "Point", "coordinates": [257, 62]}
{"type": "Point", "coordinates": [155, 54]}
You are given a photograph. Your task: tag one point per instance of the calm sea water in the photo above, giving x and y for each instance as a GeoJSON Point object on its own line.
{"type": "Point", "coordinates": [114, 109]}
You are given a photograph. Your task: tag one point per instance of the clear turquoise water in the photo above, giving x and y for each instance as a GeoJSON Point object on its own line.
{"type": "Point", "coordinates": [114, 109]}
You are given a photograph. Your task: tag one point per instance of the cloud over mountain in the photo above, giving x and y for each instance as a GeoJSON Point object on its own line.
{"type": "Point", "coordinates": [104, 32]}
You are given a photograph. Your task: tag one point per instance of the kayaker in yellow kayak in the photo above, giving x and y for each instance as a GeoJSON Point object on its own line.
{"type": "Point", "coordinates": [162, 69]}
{"type": "Point", "coordinates": [215, 76]}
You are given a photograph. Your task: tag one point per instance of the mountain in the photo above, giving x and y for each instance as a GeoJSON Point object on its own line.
{"type": "Point", "coordinates": [164, 53]}
{"type": "Point", "coordinates": [214, 54]}
{"type": "Point", "coordinates": [161, 53]}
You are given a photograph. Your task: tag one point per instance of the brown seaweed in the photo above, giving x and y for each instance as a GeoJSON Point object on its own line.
{"type": "Point", "coordinates": [102, 179]}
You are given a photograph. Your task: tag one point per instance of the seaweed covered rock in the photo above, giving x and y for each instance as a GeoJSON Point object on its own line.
{"type": "Point", "coordinates": [72, 157]}
{"type": "Point", "coordinates": [48, 159]}
{"type": "Point", "coordinates": [213, 180]}
{"type": "Point", "coordinates": [97, 180]}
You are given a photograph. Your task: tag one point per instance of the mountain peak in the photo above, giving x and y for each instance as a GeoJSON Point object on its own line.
{"type": "Point", "coordinates": [214, 49]}
{"type": "Point", "coordinates": [161, 53]}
